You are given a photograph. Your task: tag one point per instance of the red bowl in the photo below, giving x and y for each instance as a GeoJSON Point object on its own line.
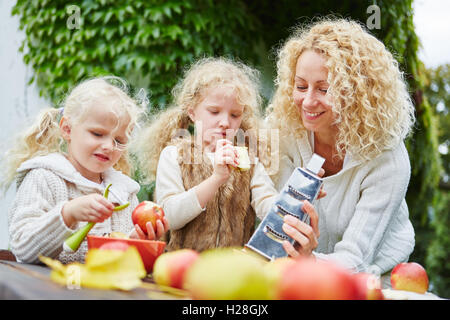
{"type": "Point", "coordinates": [148, 249]}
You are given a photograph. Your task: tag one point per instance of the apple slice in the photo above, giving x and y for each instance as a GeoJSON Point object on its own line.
{"type": "Point", "coordinates": [244, 160]}
{"type": "Point", "coordinates": [118, 235]}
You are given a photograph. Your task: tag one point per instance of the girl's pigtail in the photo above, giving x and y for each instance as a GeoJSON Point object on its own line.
{"type": "Point", "coordinates": [42, 138]}
{"type": "Point", "coordinates": [158, 134]}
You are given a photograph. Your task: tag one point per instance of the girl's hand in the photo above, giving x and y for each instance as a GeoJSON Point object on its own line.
{"type": "Point", "coordinates": [92, 208]}
{"type": "Point", "coordinates": [305, 235]}
{"type": "Point", "coordinates": [161, 229]}
{"type": "Point", "coordinates": [224, 156]}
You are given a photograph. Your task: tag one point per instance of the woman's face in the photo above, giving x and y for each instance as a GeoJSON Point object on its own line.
{"type": "Point", "coordinates": [310, 92]}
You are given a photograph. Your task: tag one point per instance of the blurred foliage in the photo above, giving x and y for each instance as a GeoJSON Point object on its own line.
{"type": "Point", "coordinates": [423, 194]}
{"type": "Point", "coordinates": [149, 43]}
{"type": "Point", "coordinates": [437, 91]}
{"type": "Point", "coordinates": [146, 42]}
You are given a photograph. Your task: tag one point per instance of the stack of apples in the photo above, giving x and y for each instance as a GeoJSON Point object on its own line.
{"type": "Point", "coordinates": [232, 274]}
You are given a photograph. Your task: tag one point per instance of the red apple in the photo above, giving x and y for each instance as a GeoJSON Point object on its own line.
{"type": "Point", "coordinates": [170, 267]}
{"type": "Point", "coordinates": [274, 269]}
{"type": "Point", "coordinates": [147, 211]}
{"type": "Point", "coordinates": [368, 286]}
{"type": "Point", "coordinates": [309, 279]}
{"type": "Point", "coordinates": [409, 276]}
{"type": "Point", "coordinates": [115, 245]}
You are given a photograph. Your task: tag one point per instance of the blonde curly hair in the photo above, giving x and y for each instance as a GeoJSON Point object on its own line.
{"type": "Point", "coordinates": [372, 107]}
{"type": "Point", "coordinates": [44, 135]}
{"type": "Point", "coordinates": [187, 94]}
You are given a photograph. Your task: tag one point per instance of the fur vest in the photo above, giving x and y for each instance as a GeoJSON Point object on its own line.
{"type": "Point", "coordinates": [229, 219]}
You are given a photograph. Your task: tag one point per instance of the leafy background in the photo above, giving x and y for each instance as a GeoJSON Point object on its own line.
{"type": "Point", "coordinates": [149, 43]}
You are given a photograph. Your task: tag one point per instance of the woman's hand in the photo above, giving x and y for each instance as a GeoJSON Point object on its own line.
{"type": "Point", "coordinates": [322, 193]}
{"type": "Point", "coordinates": [161, 229]}
{"type": "Point", "coordinates": [224, 156]}
{"type": "Point", "coordinates": [92, 208]}
{"type": "Point", "coordinates": [305, 235]}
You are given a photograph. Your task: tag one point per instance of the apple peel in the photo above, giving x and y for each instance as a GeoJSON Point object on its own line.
{"type": "Point", "coordinates": [104, 269]}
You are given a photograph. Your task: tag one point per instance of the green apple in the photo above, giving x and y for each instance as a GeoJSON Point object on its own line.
{"type": "Point", "coordinates": [227, 274]}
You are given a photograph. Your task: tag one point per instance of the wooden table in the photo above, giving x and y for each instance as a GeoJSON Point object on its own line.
{"type": "Point", "coordinates": [32, 282]}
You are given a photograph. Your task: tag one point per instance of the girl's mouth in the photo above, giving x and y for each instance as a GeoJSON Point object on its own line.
{"type": "Point", "coordinates": [101, 157]}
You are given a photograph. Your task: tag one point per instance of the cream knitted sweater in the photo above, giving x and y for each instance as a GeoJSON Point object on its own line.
{"type": "Point", "coordinates": [363, 220]}
{"type": "Point", "coordinates": [44, 185]}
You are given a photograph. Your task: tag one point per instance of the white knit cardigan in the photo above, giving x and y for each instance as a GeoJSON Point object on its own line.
{"type": "Point", "coordinates": [363, 220]}
{"type": "Point", "coordinates": [44, 184]}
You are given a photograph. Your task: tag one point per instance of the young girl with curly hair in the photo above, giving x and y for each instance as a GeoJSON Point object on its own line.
{"type": "Point", "coordinates": [62, 165]}
{"type": "Point", "coordinates": [208, 202]}
{"type": "Point", "coordinates": [340, 94]}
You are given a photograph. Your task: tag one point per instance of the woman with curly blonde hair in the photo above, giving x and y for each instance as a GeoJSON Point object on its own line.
{"type": "Point", "coordinates": [62, 164]}
{"type": "Point", "coordinates": [340, 94]}
{"type": "Point", "coordinates": [191, 149]}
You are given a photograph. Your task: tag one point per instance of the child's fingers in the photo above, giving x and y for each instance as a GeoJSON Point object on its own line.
{"type": "Point", "coordinates": [150, 232]}
{"type": "Point", "coordinates": [139, 232]}
{"type": "Point", "coordinates": [230, 160]}
{"type": "Point", "coordinates": [166, 224]}
{"type": "Point", "coordinates": [159, 229]}
{"type": "Point", "coordinates": [229, 152]}
{"type": "Point", "coordinates": [221, 143]}
{"type": "Point", "coordinates": [95, 213]}
{"type": "Point", "coordinates": [106, 203]}
{"type": "Point", "coordinates": [102, 207]}
{"type": "Point", "coordinates": [104, 212]}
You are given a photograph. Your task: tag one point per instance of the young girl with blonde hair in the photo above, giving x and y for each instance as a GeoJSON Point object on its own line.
{"type": "Point", "coordinates": [62, 165]}
{"type": "Point", "coordinates": [340, 94]}
{"type": "Point", "coordinates": [190, 147]}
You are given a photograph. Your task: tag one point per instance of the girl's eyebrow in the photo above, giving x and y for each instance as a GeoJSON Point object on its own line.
{"type": "Point", "coordinates": [319, 81]}
{"type": "Point", "coordinates": [95, 127]}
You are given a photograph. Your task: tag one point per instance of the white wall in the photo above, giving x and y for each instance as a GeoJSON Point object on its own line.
{"type": "Point", "coordinates": [19, 103]}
